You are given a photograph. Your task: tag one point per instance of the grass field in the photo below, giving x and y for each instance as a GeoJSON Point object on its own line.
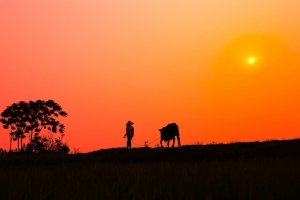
{"type": "Point", "coordinates": [268, 170]}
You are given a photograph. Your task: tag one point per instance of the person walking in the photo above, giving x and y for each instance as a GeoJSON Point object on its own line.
{"type": "Point", "coordinates": [129, 133]}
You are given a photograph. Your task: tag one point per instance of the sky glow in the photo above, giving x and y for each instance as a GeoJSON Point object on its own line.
{"type": "Point", "coordinates": [154, 63]}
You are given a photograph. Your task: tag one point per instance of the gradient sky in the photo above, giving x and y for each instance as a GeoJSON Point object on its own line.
{"type": "Point", "coordinates": [155, 62]}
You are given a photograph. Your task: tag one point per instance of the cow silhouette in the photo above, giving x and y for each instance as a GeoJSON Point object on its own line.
{"type": "Point", "coordinates": [168, 133]}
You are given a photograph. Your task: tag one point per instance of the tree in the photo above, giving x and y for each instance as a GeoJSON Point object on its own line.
{"type": "Point", "coordinates": [31, 118]}
{"type": "Point", "coordinates": [46, 144]}
{"type": "Point", "coordinates": [146, 144]}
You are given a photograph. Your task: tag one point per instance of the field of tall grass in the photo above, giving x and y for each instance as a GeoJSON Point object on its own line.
{"type": "Point", "coordinates": [255, 170]}
{"type": "Point", "coordinates": [252, 178]}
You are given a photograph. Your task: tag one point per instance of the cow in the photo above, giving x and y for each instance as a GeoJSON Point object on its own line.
{"type": "Point", "coordinates": [168, 133]}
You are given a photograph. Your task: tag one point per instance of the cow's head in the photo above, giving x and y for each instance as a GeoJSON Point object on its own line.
{"type": "Point", "coordinates": [164, 135]}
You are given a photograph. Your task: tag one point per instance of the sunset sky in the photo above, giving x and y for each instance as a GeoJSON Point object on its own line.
{"type": "Point", "coordinates": [155, 62]}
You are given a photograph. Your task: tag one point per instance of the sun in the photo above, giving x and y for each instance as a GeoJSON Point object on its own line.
{"type": "Point", "coordinates": [251, 60]}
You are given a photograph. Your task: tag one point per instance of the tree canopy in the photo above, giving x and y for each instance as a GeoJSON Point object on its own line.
{"type": "Point", "coordinates": [31, 118]}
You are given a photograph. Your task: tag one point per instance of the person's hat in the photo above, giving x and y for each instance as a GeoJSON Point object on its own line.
{"type": "Point", "coordinates": [129, 123]}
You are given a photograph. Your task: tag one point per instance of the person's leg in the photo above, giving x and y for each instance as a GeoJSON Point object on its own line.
{"type": "Point", "coordinates": [129, 141]}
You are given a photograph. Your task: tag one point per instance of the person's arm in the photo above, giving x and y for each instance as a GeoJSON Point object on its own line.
{"type": "Point", "coordinates": [126, 132]}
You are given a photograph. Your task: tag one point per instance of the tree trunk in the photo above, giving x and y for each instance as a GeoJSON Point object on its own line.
{"type": "Point", "coordinates": [10, 143]}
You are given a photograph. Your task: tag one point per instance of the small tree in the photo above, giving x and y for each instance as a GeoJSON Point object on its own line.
{"type": "Point", "coordinates": [46, 144]}
{"type": "Point", "coordinates": [198, 143]}
{"type": "Point", "coordinates": [76, 151]}
{"type": "Point", "coordinates": [31, 118]}
{"type": "Point", "coordinates": [146, 144]}
{"type": "Point", "coordinates": [2, 151]}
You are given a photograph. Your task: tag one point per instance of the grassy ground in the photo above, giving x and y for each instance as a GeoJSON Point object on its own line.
{"type": "Point", "coordinates": [269, 170]}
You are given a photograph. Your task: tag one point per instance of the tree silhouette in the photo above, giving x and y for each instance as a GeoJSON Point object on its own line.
{"type": "Point", "coordinates": [46, 144]}
{"type": "Point", "coordinates": [31, 118]}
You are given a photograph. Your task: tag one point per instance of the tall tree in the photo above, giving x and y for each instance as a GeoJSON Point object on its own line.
{"type": "Point", "coordinates": [32, 117]}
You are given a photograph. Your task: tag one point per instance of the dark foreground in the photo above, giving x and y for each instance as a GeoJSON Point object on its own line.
{"type": "Point", "coordinates": [266, 170]}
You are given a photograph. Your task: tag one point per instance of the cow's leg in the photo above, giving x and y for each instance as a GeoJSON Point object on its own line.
{"type": "Point", "coordinates": [168, 143]}
{"type": "Point", "coordinates": [161, 143]}
{"type": "Point", "coordinates": [173, 142]}
{"type": "Point", "coordinates": [178, 140]}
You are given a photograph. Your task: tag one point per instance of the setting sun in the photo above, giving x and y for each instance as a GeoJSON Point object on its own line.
{"type": "Point", "coordinates": [251, 60]}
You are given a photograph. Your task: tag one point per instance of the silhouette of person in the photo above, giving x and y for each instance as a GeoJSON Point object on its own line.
{"type": "Point", "coordinates": [129, 133]}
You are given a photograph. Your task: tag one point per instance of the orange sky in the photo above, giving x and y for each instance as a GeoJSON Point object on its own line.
{"type": "Point", "coordinates": [155, 62]}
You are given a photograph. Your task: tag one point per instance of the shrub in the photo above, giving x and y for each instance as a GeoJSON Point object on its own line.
{"type": "Point", "coordinates": [46, 144]}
